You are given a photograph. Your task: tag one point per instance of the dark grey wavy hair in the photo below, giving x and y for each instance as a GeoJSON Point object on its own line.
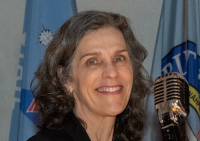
{"type": "Point", "coordinates": [54, 101]}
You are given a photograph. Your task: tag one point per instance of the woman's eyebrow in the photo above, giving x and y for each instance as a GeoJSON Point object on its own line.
{"type": "Point", "coordinates": [119, 51]}
{"type": "Point", "coordinates": [89, 54]}
{"type": "Point", "coordinates": [97, 53]}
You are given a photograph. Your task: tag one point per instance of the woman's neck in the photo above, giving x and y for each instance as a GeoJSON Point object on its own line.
{"type": "Point", "coordinates": [99, 128]}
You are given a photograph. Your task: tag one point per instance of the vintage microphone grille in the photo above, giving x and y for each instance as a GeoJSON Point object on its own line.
{"type": "Point", "coordinates": [172, 86]}
{"type": "Point", "coordinates": [159, 92]}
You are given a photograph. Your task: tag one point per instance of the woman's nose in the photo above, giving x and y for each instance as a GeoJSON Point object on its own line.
{"type": "Point", "coordinates": [110, 71]}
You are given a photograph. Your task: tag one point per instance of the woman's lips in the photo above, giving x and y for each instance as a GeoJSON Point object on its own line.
{"type": "Point", "coordinates": [110, 89]}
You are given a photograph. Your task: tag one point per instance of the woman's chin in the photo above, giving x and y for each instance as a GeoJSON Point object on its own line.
{"type": "Point", "coordinates": [115, 111]}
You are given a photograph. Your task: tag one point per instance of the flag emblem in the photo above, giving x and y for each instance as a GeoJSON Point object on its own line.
{"type": "Point", "coordinates": [32, 107]}
{"type": "Point", "coordinates": [28, 106]}
{"type": "Point", "coordinates": [45, 37]}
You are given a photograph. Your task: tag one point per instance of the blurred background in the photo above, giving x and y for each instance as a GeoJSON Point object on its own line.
{"type": "Point", "coordinates": [144, 17]}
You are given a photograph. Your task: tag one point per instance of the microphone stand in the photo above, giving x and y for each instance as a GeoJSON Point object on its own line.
{"type": "Point", "coordinates": [170, 130]}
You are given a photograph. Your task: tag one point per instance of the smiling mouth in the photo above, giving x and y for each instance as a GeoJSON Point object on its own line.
{"type": "Point", "coordinates": [109, 89]}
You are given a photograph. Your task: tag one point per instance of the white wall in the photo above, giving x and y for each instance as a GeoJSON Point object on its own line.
{"type": "Point", "coordinates": [143, 14]}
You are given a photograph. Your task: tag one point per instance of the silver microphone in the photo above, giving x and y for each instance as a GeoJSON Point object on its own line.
{"type": "Point", "coordinates": [171, 97]}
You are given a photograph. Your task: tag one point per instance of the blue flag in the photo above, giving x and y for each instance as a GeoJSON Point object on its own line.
{"type": "Point", "coordinates": [177, 50]}
{"type": "Point", "coordinates": [42, 20]}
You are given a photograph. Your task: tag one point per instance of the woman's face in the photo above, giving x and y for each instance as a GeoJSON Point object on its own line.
{"type": "Point", "coordinates": [102, 73]}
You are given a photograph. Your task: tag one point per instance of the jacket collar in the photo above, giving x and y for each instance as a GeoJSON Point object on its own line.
{"type": "Point", "coordinates": [75, 129]}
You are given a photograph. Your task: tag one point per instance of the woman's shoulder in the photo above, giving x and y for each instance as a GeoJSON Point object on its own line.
{"type": "Point", "coordinates": [39, 138]}
{"type": "Point", "coordinates": [71, 131]}
{"type": "Point", "coordinates": [51, 135]}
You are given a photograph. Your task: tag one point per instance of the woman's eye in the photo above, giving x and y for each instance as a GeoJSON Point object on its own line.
{"type": "Point", "coordinates": [119, 58]}
{"type": "Point", "coordinates": [92, 62]}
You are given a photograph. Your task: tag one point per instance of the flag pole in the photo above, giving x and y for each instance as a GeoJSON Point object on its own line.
{"type": "Point", "coordinates": [186, 29]}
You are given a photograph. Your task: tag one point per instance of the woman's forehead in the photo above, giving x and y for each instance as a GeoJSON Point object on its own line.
{"type": "Point", "coordinates": [102, 39]}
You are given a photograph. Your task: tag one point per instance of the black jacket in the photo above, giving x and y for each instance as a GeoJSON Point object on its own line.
{"type": "Point", "coordinates": [61, 135]}
{"type": "Point", "coordinates": [74, 131]}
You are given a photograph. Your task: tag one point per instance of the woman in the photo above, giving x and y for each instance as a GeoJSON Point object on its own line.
{"type": "Point", "coordinates": [91, 83]}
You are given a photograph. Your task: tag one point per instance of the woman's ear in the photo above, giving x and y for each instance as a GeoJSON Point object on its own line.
{"type": "Point", "coordinates": [59, 71]}
{"type": "Point", "coordinates": [68, 85]}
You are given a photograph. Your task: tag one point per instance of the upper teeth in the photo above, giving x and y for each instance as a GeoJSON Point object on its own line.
{"type": "Point", "coordinates": [109, 89]}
